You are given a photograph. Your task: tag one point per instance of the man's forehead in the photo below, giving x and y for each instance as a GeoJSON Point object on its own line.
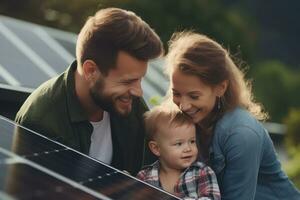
{"type": "Point", "coordinates": [128, 66]}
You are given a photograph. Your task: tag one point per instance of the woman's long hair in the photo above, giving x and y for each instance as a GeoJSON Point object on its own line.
{"type": "Point", "coordinates": [198, 55]}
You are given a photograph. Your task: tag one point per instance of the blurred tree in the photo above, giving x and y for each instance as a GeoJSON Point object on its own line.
{"type": "Point", "coordinates": [65, 15]}
{"type": "Point", "coordinates": [273, 84]}
{"type": "Point", "coordinates": [292, 141]}
{"type": "Point", "coordinates": [69, 15]}
{"type": "Point", "coordinates": [292, 122]}
{"type": "Point", "coordinates": [228, 24]}
{"type": "Point", "coordinates": [292, 168]}
{"type": "Point", "coordinates": [155, 100]}
{"type": "Point", "coordinates": [28, 10]}
{"type": "Point", "coordinates": [295, 88]}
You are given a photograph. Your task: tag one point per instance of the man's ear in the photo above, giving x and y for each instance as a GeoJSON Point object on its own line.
{"type": "Point", "coordinates": [221, 88]}
{"type": "Point", "coordinates": [90, 70]}
{"type": "Point", "coordinates": [153, 146]}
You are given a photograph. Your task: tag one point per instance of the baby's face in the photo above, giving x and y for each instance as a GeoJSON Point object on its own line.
{"type": "Point", "coordinates": [177, 146]}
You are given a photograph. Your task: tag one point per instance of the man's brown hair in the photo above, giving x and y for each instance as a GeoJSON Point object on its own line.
{"type": "Point", "coordinates": [112, 30]}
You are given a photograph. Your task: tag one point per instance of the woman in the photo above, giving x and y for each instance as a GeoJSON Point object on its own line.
{"type": "Point", "coordinates": [209, 87]}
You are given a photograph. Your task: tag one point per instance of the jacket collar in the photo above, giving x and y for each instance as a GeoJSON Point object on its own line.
{"type": "Point", "coordinates": [76, 112]}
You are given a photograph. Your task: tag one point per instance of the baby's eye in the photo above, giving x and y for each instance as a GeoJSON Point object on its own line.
{"type": "Point", "coordinates": [178, 144]}
{"type": "Point", "coordinates": [193, 141]}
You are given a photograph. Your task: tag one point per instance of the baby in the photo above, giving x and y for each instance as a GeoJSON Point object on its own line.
{"type": "Point", "coordinates": [172, 138]}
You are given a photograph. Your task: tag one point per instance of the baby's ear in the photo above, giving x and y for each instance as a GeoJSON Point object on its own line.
{"type": "Point", "coordinates": [153, 146]}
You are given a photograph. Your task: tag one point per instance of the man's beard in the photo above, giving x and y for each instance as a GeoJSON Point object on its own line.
{"type": "Point", "coordinates": [104, 102]}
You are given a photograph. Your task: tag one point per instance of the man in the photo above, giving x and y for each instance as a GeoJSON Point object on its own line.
{"type": "Point", "coordinates": [95, 105]}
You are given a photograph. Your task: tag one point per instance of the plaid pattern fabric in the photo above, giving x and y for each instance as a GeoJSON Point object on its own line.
{"type": "Point", "coordinates": [196, 182]}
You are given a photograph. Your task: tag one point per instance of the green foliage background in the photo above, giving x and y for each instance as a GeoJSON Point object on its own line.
{"type": "Point", "coordinates": [293, 143]}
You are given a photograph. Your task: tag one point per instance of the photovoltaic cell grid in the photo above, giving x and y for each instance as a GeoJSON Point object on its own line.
{"type": "Point", "coordinates": [34, 167]}
{"type": "Point", "coordinates": [31, 54]}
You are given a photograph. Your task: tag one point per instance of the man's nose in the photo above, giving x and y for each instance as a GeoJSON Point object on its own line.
{"type": "Point", "coordinates": [136, 90]}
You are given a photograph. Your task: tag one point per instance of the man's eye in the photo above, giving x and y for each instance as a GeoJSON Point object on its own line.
{"type": "Point", "coordinates": [127, 82]}
{"type": "Point", "coordinates": [195, 97]}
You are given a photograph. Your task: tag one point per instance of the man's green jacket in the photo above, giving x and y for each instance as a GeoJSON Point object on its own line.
{"type": "Point", "coordinates": [53, 110]}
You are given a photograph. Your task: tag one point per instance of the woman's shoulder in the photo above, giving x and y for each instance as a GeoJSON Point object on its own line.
{"type": "Point", "coordinates": [239, 132]}
{"type": "Point", "coordinates": [237, 117]}
{"type": "Point", "coordinates": [238, 121]}
{"type": "Point", "coordinates": [237, 113]}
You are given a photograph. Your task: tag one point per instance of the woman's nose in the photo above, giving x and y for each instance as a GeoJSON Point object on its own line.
{"type": "Point", "coordinates": [184, 105]}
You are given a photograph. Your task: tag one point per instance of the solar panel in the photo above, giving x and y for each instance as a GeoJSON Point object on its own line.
{"type": "Point", "coordinates": [35, 167]}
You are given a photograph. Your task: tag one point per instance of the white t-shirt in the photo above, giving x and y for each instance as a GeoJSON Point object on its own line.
{"type": "Point", "coordinates": [101, 143]}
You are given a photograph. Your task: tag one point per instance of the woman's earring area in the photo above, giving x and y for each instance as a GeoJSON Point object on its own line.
{"type": "Point", "coordinates": [218, 102]}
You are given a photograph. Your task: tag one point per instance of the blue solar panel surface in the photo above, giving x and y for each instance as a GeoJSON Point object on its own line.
{"type": "Point", "coordinates": [34, 167]}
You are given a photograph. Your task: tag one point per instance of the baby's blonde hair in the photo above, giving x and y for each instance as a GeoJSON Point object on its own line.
{"type": "Point", "coordinates": [164, 115]}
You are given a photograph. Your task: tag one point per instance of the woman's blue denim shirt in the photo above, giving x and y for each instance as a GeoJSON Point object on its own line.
{"type": "Point", "coordinates": [243, 157]}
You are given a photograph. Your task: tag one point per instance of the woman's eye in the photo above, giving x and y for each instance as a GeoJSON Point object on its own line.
{"type": "Point", "coordinates": [176, 94]}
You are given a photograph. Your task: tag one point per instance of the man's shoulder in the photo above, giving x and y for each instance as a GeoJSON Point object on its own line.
{"type": "Point", "coordinates": [42, 101]}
